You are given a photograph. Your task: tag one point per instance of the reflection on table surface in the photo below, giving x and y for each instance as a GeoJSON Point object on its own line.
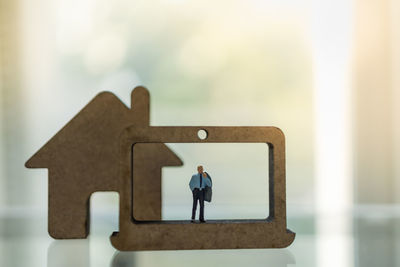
{"type": "Point", "coordinates": [373, 241]}
{"type": "Point", "coordinates": [78, 253]}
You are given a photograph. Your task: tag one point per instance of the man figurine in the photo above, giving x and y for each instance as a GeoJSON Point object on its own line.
{"type": "Point", "coordinates": [197, 184]}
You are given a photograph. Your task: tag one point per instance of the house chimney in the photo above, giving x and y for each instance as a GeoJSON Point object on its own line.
{"type": "Point", "coordinates": [140, 105]}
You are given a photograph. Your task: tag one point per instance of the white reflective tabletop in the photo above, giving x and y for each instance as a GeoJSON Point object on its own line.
{"type": "Point", "coordinates": [370, 240]}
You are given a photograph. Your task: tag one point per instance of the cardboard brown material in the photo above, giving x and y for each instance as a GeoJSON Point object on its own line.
{"type": "Point", "coordinates": [221, 234]}
{"type": "Point", "coordinates": [82, 158]}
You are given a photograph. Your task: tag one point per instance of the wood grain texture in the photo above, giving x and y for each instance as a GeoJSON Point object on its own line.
{"type": "Point", "coordinates": [222, 234]}
{"type": "Point", "coordinates": [109, 147]}
{"type": "Point", "coordinates": [82, 158]}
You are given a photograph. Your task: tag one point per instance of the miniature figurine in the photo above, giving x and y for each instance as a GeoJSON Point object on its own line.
{"type": "Point", "coordinates": [197, 185]}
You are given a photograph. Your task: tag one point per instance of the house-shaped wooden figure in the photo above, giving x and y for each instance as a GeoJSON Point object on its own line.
{"type": "Point", "coordinates": [83, 157]}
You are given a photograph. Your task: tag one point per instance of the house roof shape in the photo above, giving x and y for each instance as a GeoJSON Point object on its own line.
{"type": "Point", "coordinates": [92, 126]}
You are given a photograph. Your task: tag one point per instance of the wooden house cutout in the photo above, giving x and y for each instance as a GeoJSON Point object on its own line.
{"type": "Point", "coordinates": [83, 158]}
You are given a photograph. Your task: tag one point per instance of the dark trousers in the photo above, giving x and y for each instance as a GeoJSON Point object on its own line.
{"type": "Point", "coordinates": [198, 195]}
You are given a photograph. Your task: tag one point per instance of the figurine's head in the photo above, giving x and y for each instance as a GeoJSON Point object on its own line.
{"type": "Point", "coordinates": [200, 169]}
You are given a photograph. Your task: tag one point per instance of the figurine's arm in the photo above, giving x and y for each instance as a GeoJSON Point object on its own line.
{"type": "Point", "coordinates": [191, 183]}
{"type": "Point", "coordinates": [209, 181]}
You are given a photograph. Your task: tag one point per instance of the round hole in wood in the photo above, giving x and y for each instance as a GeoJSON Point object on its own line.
{"type": "Point", "coordinates": [202, 134]}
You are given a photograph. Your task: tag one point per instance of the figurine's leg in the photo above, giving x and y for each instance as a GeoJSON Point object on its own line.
{"type": "Point", "coordinates": [201, 200]}
{"type": "Point", "coordinates": [194, 207]}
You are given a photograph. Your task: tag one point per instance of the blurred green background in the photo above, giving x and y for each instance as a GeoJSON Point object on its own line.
{"type": "Point", "coordinates": [325, 72]}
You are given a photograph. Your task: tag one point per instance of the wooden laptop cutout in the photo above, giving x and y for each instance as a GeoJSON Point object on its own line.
{"type": "Point", "coordinates": [136, 234]}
